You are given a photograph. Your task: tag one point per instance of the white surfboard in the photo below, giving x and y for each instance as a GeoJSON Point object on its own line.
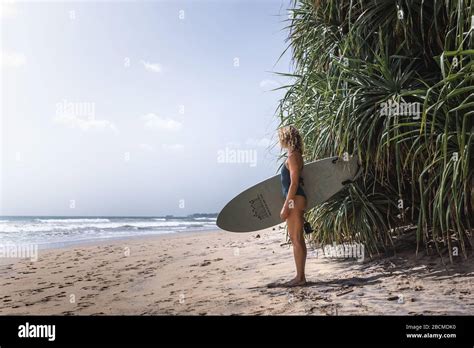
{"type": "Point", "coordinates": [259, 206]}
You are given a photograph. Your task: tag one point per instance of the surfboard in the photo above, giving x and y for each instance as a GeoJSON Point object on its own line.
{"type": "Point", "coordinates": [259, 206]}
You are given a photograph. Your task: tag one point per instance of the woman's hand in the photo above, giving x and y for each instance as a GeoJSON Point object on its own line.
{"type": "Point", "coordinates": [285, 211]}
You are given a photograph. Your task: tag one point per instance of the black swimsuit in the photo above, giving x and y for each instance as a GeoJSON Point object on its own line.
{"type": "Point", "coordinates": [286, 181]}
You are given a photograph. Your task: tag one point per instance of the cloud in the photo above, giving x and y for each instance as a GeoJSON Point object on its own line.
{"type": "Point", "coordinates": [153, 67]}
{"type": "Point", "coordinates": [268, 85]}
{"type": "Point", "coordinates": [85, 123]}
{"type": "Point", "coordinates": [13, 59]}
{"type": "Point", "coordinates": [8, 10]}
{"type": "Point", "coordinates": [155, 122]}
{"type": "Point", "coordinates": [172, 147]}
{"type": "Point", "coordinates": [146, 147]}
{"type": "Point", "coordinates": [233, 144]}
{"type": "Point", "coordinates": [264, 142]}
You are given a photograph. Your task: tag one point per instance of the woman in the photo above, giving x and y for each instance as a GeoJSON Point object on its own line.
{"type": "Point", "coordinates": [295, 198]}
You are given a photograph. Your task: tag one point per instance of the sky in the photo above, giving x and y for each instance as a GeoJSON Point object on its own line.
{"type": "Point", "coordinates": [137, 108]}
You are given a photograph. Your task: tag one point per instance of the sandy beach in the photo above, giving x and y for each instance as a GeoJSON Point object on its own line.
{"type": "Point", "coordinates": [220, 273]}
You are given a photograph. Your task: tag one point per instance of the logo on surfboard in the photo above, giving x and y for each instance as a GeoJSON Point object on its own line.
{"type": "Point", "coordinates": [259, 208]}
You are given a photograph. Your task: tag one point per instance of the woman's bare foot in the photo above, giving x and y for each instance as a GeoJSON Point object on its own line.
{"type": "Point", "coordinates": [296, 282]}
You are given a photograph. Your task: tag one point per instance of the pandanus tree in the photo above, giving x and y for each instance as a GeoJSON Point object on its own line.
{"type": "Point", "coordinates": [393, 81]}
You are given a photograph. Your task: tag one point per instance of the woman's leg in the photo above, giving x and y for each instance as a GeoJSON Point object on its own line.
{"type": "Point", "coordinates": [295, 223]}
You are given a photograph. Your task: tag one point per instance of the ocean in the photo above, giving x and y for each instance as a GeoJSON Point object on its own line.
{"type": "Point", "coordinates": [50, 232]}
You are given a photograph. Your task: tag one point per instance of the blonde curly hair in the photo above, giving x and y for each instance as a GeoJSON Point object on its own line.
{"type": "Point", "coordinates": [290, 138]}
